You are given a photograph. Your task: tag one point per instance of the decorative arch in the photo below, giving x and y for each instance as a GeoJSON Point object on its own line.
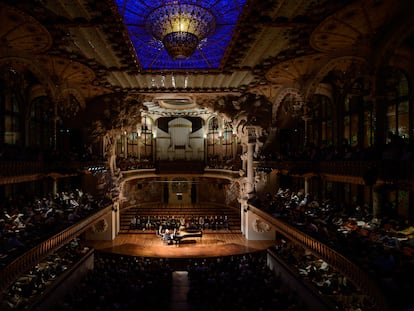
{"type": "Point", "coordinates": [66, 92]}
{"type": "Point", "coordinates": [36, 91]}
{"type": "Point", "coordinates": [210, 118]}
{"type": "Point", "coordinates": [351, 27]}
{"type": "Point", "coordinates": [148, 120]}
{"type": "Point", "coordinates": [324, 89]}
{"type": "Point", "coordinates": [341, 63]}
{"type": "Point", "coordinates": [402, 60]}
{"type": "Point", "coordinates": [33, 67]}
{"type": "Point", "coordinates": [282, 94]}
{"type": "Point", "coordinates": [396, 36]}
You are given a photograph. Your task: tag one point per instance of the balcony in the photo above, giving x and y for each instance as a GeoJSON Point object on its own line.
{"type": "Point", "coordinates": [368, 172]}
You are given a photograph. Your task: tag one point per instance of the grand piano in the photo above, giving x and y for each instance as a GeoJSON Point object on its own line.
{"type": "Point", "coordinates": [185, 234]}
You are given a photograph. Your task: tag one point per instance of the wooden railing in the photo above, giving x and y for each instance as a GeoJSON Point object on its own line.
{"type": "Point", "coordinates": [306, 290]}
{"type": "Point", "coordinates": [26, 261]}
{"type": "Point", "coordinates": [13, 168]}
{"type": "Point", "coordinates": [354, 273]}
{"type": "Point", "coordinates": [20, 171]}
{"type": "Point", "coordinates": [12, 171]}
{"type": "Point", "coordinates": [55, 292]}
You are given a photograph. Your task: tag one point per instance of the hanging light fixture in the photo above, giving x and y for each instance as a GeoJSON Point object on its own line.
{"type": "Point", "coordinates": [180, 27]}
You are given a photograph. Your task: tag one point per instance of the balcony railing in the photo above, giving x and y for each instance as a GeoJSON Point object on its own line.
{"type": "Point", "coordinates": [44, 249]}
{"type": "Point", "coordinates": [354, 273]}
{"type": "Point", "coordinates": [386, 171]}
{"type": "Point", "coordinates": [13, 168]}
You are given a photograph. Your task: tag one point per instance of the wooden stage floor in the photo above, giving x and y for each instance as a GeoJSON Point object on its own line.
{"type": "Point", "coordinates": [212, 244]}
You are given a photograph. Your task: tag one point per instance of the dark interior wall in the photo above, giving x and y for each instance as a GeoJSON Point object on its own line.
{"type": "Point", "coordinates": [197, 123]}
{"type": "Point", "coordinates": [211, 191]}
{"type": "Point", "coordinates": [138, 191]}
{"type": "Point", "coordinates": [159, 190]}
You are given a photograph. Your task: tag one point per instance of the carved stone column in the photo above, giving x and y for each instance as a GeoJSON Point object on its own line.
{"type": "Point", "coordinates": [306, 118]}
{"type": "Point", "coordinates": [234, 145]}
{"type": "Point", "coordinates": [377, 200]}
{"type": "Point", "coordinates": [55, 120]}
{"type": "Point", "coordinates": [55, 187]}
{"type": "Point", "coordinates": [243, 157]}
{"type": "Point", "coordinates": [250, 172]}
{"type": "Point", "coordinates": [243, 217]}
{"type": "Point", "coordinates": [109, 143]}
{"type": "Point", "coordinates": [154, 144]}
{"type": "Point", "coordinates": [125, 134]}
{"type": "Point", "coordinates": [306, 185]}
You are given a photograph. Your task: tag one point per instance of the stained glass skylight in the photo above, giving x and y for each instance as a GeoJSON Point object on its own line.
{"type": "Point", "coordinates": [151, 52]}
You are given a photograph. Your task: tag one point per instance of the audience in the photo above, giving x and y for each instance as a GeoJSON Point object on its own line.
{"type": "Point", "coordinates": [328, 282]}
{"type": "Point", "coordinates": [120, 282]}
{"type": "Point", "coordinates": [242, 282]}
{"type": "Point", "coordinates": [383, 247]}
{"type": "Point", "coordinates": [25, 223]}
{"type": "Point", "coordinates": [33, 283]}
{"type": "Point", "coordinates": [133, 163]}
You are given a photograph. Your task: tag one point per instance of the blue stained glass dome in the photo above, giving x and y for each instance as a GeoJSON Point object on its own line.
{"type": "Point", "coordinates": [151, 52]}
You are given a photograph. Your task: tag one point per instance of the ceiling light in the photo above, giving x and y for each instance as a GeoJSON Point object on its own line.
{"type": "Point", "coordinates": [180, 27]}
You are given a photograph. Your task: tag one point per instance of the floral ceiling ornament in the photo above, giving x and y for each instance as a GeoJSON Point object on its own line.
{"type": "Point", "coordinates": [185, 34]}
{"type": "Point", "coordinates": [181, 27]}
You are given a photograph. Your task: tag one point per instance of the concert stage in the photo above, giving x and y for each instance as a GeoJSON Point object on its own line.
{"type": "Point", "coordinates": [212, 244]}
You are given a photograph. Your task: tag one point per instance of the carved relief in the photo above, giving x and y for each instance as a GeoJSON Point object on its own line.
{"type": "Point", "coordinates": [260, 226]}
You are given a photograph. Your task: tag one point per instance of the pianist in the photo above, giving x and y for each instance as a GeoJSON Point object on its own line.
{"type": "Point", "coordinates": [166, 236]}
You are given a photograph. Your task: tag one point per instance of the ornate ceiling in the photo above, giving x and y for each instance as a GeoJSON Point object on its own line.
{"type": "Point", "coordinates": [151, 54]}
{"type": "Point", "coordinates": [261, 46]}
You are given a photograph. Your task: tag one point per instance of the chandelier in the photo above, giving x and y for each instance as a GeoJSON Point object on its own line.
{"type": "Point", "coordinates": [180, 27]}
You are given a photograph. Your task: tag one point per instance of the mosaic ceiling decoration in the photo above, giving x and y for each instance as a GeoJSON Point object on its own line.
{"type": "Point", "coordinates": [152, 23]}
